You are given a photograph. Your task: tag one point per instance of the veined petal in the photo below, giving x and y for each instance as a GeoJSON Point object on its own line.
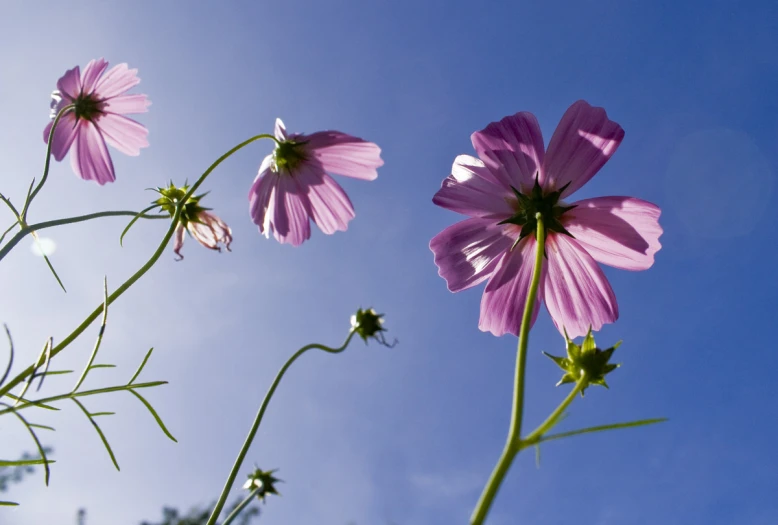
{"type": "Point", "coordinates": [92, 73]}
{"type": "Point", "coordinates": [90, 158]}
{"type": "Point", "coordinates": [280, 130]}
{"type": "Point", "coordinates": [471, 190]}
{"type": "Point", "coordinates": [503, 302]}
{"type": "Point", "coordinates": [116, 81]}
{"type": "Point", "coordinates": [582, 143]}
{"type": "Point", "coordinates": [576, 292]}
{"type": "Point", "coordinates": [261, 196]}
{"type": "Point", "coordinates": [123, 133]}
{"type": "Point", "coordinates": [468, 252]}
{"type": "Point", "coordinates": [343, 154]}
{"type": "Point", "coordinates": [127, 104]}
{"type": "Point", "coordinates": [70, 83]}
{"type": "Point", "coordinates": [512, 149]}
{"type": "Point", "coordinates": [330, 206]}
{"type": "Point", "coordinates": [178, 240]}
{"type": "Point", "coordinates": [64, 135]}
{"type": "Point", "coordinates": [291, 213]}
{"type": "Point", "coordinates": [622, 232]}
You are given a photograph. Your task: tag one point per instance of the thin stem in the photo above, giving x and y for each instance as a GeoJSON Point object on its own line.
{"type": "Point", "coordinates": [243, 504]}
{"type": "Point", "coordinates": [513, 443]}
{"type": "Point", "coordinates": [601, 428]}
{"type": "Point", "coordinates": [27, 229]}
{"type": "Point", "coordinates": [552, 420]}
{"type": "Point", "coordinates": [258, 419]}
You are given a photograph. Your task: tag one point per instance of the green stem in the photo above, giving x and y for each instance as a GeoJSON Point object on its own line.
{"type": "Point", "coordinates": [99, 310]}
{"type": "Point", "coordinates": [243, 504]}
{"type": "Point", "coordinates": [258, 419]}
{"type": "Point", "coordinates": [27, 229]}
{"type": "Point", "coordinates": [513, 443]}
{"type": "Point", "coordinates": [552, 420]}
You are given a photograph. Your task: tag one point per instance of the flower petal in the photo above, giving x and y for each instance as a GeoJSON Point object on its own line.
{"type": "Point", "coordinates": [70, 83]}
{"type": "Point", "coordinates": [92, 73]}
{"type": "Point", "coordinates": [343, 154]}
{"type": "Point", "coordinates": [330, 206]}
{"type": "Point", "coordinates": [291, 213]}
{"type": "Point", "coordinates": [127, 104]}
{"type": "Point", "coordinates": [64, 135]}
{"type": "Point", "coordinates": [90, 159]}
{"type": "Point", "coordinates": [123, 133]}
{"type": "Point", "coordinates": [260, 196]}
{"type": "Point", "coordinates": [118, 80]}
{"type": "Point", "coordinates": [280, 130]}
{"type": "Point", "coordinates": [582, 143]}
{"type": "Point", "coordinates": [576, 292]}
{"type": "Point", "coordinates": [512, 149]}
{"type": "Point", "coordinates": [467, 253]}
{"type": "Point", "coordinates": [209, 230]}
{"type": "Point", "coordinates": [178, 240]}
{"type": "Point", "coordinates": [622, 232]}
{"type": "Point", "coordinates": [470, 190]}
{"type": "Point", "coordinates": [503, 302]}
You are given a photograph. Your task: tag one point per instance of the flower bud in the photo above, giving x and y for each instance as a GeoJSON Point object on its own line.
{"type": "Point", "coordinates": [585, 360]}
{"type": "Point", "coordinates": [367, 323]}
{"type": "Point", "coordinates": [264, 481]}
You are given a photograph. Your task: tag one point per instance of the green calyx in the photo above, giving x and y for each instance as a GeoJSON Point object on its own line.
{"type": "Point", "coordinates": [87, 107]}
{"type": "Point", "coordinates": [585, 359]}
{"type": "Point", "coordinates": [367, 323]}
{"type": "Point", "coordinates": [288, 155]}
{"type": "Point", "coordinates": [264, 481]}
{"type": "Point", "coordinates": [536, 202]}
{"type": "Point", "coordinates": [172, 195]}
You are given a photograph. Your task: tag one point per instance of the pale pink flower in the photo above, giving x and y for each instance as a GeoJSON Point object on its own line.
{"type": "Point", "coordinates": [98, 117]}
{"type": "Point", "coordinates": [496, 190]}
{"type": "Point", "coordinates": [207, 229]}
{"type": "Point", "coordinates": [293, 185]}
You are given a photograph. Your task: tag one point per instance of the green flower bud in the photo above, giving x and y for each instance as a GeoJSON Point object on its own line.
{"type": "Point", "coordinates": [367, 323]}
{"type": "Point", "coordinates": [264, 481]}
{"type": "Point", "coordinates": [587, 360]}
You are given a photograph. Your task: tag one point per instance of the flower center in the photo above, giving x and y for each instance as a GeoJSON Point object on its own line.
{"type": "Point", "coordinates": [87, 107]}
{"type": "Point", "coordinates": [288, 155]}
{"type": "Point", "coordinates": [527, 206]}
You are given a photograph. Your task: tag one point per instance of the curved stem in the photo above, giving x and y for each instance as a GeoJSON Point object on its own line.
{"type": "Point", "coordinates": [49, 143]}
{"type": "Point", "coordinates": [97, 311]}
{"type": "Point", "coordinates": [243, 504]}
{"type": "Point", "coordinates": [27, 229]}
{"type": "Point", "coordinates": [513, 443]}
{"type": "Point", "coordinates": [552, 420]}
{"type": "Point", "coordinates": [258, 419]}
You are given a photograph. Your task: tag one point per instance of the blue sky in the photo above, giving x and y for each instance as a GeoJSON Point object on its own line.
{"type": "Point", "coordinates": [405, 436]}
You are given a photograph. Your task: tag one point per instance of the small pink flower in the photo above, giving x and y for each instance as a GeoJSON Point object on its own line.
{"type": "Point", "coordinates": [207, 229]}
{"type": "Point", "coordinates": [497, 241]}
{"type": "Point", "coordinates": [293, 186]}
{"type": "Point", "coordinates": [98, 117]}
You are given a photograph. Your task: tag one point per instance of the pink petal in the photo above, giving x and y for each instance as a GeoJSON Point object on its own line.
{"type": "Point", "coordinates": [64, 135]}
{"type": "Point", "coordinates": [622, 232]}
{"type": "Point", "coordinates": [90, 158]}
{"type": "Point", "coordinates": [92, 73]}
{"type": "Point", "coordinates": [280, 130]}
{"type": "Point", "coordinates": [261, 196]}
{"type": "Point", "coordinates": [127, 104]}
{"type": "Point", "coordinates": [503, 302]}
{"type": "Point", "coordinates": [582, 143]}
{"type": "Point", "coordinates": [118, 80]}
{"type": "Point", "coordinates": [576, 292]}
{"type": "Point", "coordinates": [343, 154]}
{"type": "Point", "coordinates": [291, 213]}
{"type": "Point", "coordinates": [470, 190]}
{"type": "Point", "coordinates": [468, 252]}
{"type": "Point", "coordinates": [122, 133]}
{"type": "Point", "coordinates": [512, 149]}
{"type": "Point", "coordinates": [330, 206]}
{"type": "Point", "coordinates": [178, 240]}
{"type": "Point", "coordinates": [70, 83]}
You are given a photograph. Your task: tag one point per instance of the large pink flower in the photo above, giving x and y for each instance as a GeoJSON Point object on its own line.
{"type": "Point", "coordinates": [98, 117]}
{"type": "Point", "coordinates": [293, 186]}
{"type": "Point", "coordinates": [516, 175]}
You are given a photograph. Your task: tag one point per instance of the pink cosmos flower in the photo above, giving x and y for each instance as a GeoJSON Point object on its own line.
{"type": "Point", "coordinates": [208, 229]}
{"type": "Point", "coordinates": [513, 178]}
{"type": "Point", "coordinates": [98, 117]}
{"type": "Point", "coordinates": [293, 186]}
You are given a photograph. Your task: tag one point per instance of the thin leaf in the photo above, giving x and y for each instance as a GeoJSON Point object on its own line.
{"type": "Point", "coordinates": [48, 263]}
{"type": "Point", "coordinates": [46, 349]}
{"type": "Point", "coordinates": [537, 455]}
{"type": "Point", "coordinates": [10, 357]}
{"type": "Point", "coordinates": [38, 445]}
{"type": "Point", "coordinates": [602, 428]}
{"type": "Point", "coordinates": [133, 221]}
{"type": "Point", "coordinates": [44, 427]}
{"type": "Point", "coordinates": [95, 414]}
{"type": "Point", "coordinates": [140, 368]}
{"type": "Point", "coordinates": [99, 431]}
{"type": "Point", "coordinates": [55, 373]}
{"type": "Point", "coordinates": [101, 366]}
{"type": "Point", "coordinates": [45, 364]}
{"type": "Point", "coordinates": [8, 504]}
{"type": "Point", "coordinates": [100, 334]}
{"type": "Point", "coordinates": [22, 462]}
{"type": "Point", "coordinates": [154, 414]}
{"type": "Point", "coordinates": [7, 231]}
{"type": "Point", "coordinates": [28, 402]}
